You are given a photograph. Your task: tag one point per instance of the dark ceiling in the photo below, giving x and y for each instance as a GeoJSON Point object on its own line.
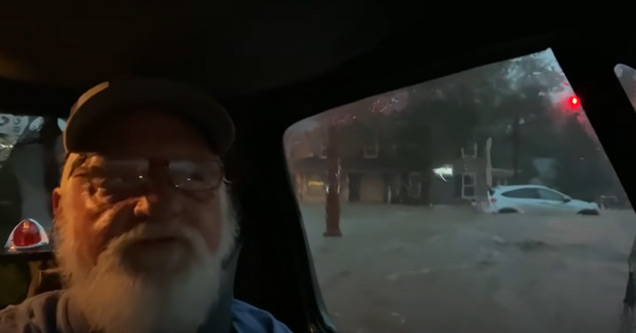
{"type": "Point", "coordinates": [231, 48]}
{"type": "Point", "coordinates": [50, 51]}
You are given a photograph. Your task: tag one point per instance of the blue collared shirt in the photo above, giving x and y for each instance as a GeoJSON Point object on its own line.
{"type": "Point", "coordinates": [50, 313]}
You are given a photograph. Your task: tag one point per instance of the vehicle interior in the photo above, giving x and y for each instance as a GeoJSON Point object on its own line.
{"type": "Point", "coordinates": [272, 65]}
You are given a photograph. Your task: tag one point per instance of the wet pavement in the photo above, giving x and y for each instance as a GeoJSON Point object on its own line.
{"type": "Point", "coordinates": [455, 269]}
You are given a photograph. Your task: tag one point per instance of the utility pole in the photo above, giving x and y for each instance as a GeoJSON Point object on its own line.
{"type": "Point", "coordinates": [332, 206]}
{"type": "Point", "coordinates": [516, 145]}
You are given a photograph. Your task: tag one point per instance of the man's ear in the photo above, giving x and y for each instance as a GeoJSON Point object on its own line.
{"type": "Point", "coordinates": [56, 197]}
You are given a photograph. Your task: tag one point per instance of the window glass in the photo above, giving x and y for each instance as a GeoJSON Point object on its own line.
{"type": "Point", "coordinates": [550, 195]}
{"type": "Point", "coordinates": [418, 247]}
{"type": "Point", "coordinates": [31, 156]}
{"type": "Point", "coordinates": [525, 193]}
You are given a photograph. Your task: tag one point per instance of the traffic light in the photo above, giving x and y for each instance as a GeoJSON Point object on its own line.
{"type": "Point", "coordinates": [574, 101]}
{"type": "Point", "coordinates": [571, 104]}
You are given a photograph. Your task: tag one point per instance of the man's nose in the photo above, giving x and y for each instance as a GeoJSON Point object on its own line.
{"type": "Point", "coordinates": [159, 203]}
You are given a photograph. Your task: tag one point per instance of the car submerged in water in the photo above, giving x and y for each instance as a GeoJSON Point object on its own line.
{"type": "Point", "coordinates": [536, 199]}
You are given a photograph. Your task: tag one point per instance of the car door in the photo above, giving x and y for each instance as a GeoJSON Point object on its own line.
{"type": "Point", "coordinates": [552, 202]}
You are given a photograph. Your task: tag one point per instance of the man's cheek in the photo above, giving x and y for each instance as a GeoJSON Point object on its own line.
{"type": "Point", "coordinates": [210, 229]}
{"type": "Point", "coordinates": [86, 243]}
{"type": "Point", "coordinates": [95, 229]}
{"type": "Point", "coordinates": [114, 223]}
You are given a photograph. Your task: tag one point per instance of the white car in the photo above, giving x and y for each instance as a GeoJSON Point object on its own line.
{"type": "Point", "coordinates": [536, 199]}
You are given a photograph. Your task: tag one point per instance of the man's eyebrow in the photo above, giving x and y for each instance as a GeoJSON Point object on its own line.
{"type": "Point", "coordinates": [81, 159]}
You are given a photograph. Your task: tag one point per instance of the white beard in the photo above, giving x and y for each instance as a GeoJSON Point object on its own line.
{"type": "Point", "coordinates": [115, 300]}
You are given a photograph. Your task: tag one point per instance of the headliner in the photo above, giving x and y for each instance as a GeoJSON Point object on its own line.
{"type": "Point", "coordinates": [251, 49]}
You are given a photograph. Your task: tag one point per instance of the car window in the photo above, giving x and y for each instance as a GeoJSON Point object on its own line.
{"type": "Point", "coordinates": [550, 195]}
{"type": "Point", "coordinates": [30, 164]}
{"type": "Point", "coordinates": [524, 193]}
{"type": "Point", "coordinates": [30, 160]}
{"type": "Point", "coordinates": [409, 244]}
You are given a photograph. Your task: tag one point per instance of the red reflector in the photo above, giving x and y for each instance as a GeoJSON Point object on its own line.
{"type": "Point", "coordinates": [493, 200]}
{"type": "Point", "coordinates": [26, 234]}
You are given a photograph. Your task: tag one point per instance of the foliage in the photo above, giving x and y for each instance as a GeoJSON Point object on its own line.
{"type": "Point", "coordinates": [516, 102]}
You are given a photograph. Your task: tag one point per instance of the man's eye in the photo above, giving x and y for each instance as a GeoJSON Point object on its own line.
{"type": "Point", "coordinates": [122, 182]}
{"type": "Point", "coordinates": [126, 178]}
{"type": "Point", "coordinates": [196, 176]}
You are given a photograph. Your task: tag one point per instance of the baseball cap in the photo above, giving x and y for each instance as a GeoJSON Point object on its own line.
{"type": "Point", "coordinates": [104, 100]}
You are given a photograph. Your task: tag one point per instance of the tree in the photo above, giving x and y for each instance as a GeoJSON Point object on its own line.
{"type": "Point", "coordinates": [528, 131]}
{"type": "Point", "coordinates": [584, 170]}
{"type": "Point", "coordinates": [502, 100]}
{"type": "Point", "coordinates": [430, 132]}
{"type": "Point", "coordinates": [332, 206]}
{"type": "Point", "coordinates": [429, 123]}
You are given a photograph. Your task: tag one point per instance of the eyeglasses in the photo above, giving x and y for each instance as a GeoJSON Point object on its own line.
{"type": "Point", "coordinates": [121, 176]}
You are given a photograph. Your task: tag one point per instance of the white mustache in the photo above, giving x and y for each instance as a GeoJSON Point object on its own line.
{"type": "Point", "coordinates": [151, 230]}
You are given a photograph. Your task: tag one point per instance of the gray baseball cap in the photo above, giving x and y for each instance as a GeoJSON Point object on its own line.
{"type": "Point", "coordinates": [107, 98]}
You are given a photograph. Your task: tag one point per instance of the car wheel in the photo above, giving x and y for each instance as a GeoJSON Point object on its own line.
{"type": "Point", "coordinates": [508, 211]}
{"type": "Point", "coordinates": [589, 212]}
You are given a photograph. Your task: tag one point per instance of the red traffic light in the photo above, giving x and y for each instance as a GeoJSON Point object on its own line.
{"type": "Point", "coordinates": [574, 101]}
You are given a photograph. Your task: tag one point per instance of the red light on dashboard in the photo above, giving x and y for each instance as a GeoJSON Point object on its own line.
{"type": "Point", "coordinates": [27, 234]}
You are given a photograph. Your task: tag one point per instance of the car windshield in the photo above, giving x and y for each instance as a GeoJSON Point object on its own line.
{"type": "Point", "coordinates": [443, 206]}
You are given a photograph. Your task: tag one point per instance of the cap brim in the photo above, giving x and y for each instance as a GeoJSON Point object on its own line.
{"type": "Point", "coordinates": [105, 100]}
